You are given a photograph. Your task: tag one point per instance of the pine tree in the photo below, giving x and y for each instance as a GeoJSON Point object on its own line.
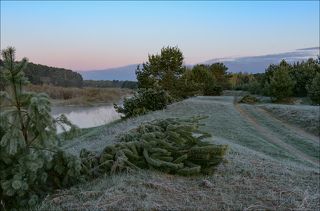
{"type": "Point", "coordinates": [25, 117]}
{"type": "Point", "coordinates": [281, 84]}
{"type": "Point", "coordinates": [29, 158]}
{"type": "Point", "coordinates": [164, 69]}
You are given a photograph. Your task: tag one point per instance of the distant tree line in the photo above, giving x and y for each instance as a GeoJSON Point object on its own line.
{"type": "Point", "coordinates": [282, 81]}
{"type": "Point", "coordinates": [42, 74]}
{"type": "Point", "coordinates": [109, 83]}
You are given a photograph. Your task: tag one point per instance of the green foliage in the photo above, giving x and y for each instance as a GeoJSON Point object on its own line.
{"type": "Point", "coordinates": [186, 86]}
{"type": "Point", "coordinates": [28, 140]}
{"type": "Point", "coordinates": [279, 80]}
{"type": "Point", "coordinates": [247, 82]}
{"type": "Point", "coordinates": [219, 71]}
{"type": "Point", "coordinates": [166, 71]}
{"type": "Point", "coordinates": [205, 79]}
{"type": "Point", "coordinates": [303, 73]}
{"type": "Point", "coordinates": [212, 90]}
{"type": "Point", "coordinates": [171, 145]}
{"type": "Point", "coordinates": [200, 80]}
{"type": "Point", "coordinates": [42, 74]}
{"type": "Point", "coordinates": [249, 99]}
{"type": "Point", "coordinates": [281, 84]}
{"type": "Point", "coordinates": [163, 69]}
{"type": "Point", "coordinates": [143, 101]}
{"type": "Point", "coordinates": [314, 89]}
{"type": "Point", "coordinates": [28, 175]}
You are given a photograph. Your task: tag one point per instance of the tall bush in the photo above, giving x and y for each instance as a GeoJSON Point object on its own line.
{"type": "Point", "coordinates": [144, 100]}
{"type": "Point", "coordinates": [281, 85]}
{"type": "Point", "coordinates": [163, 69]}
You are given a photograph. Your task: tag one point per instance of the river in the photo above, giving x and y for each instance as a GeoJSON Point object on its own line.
{"type": "Point", "coordinates": [85, 117]}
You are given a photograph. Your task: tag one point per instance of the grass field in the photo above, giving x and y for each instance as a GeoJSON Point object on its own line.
{"type": "Point", "coordinates": [304, 116]}
{"type": "Point", "coordinates": [270, 165]}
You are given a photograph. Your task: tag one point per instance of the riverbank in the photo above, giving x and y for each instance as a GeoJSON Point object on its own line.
{"type": "Point", "coordinates": [86, 96]}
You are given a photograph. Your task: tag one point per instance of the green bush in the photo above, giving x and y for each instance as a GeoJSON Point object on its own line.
{"type": "Point", "coordinates": [27, 176]}
{"type": "Point", "coordinates": [143, 101]}
{"type": "Point", "coordinates": [163, 69]}
{"type": "Point", "coordinates": [314, 89]}
{"type": "Point", "coordinates": [281, 85]}
{"type": "Point", "coordinates": [212, 90]}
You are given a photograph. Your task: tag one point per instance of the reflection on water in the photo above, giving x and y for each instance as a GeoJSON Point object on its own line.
{"type": "Point", "coordinates": [85, 117]}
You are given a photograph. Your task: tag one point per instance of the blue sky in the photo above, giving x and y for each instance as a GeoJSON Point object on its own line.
{"type": "Point", "coordinates": [95, 35]}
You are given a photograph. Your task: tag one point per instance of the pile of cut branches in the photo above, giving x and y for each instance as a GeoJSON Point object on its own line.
{"type": "Point", "coordinates": [171, 145]}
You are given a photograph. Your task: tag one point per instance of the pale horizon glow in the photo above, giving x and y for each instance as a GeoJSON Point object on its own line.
{"type": "Point", "coordinates": [102, 34]}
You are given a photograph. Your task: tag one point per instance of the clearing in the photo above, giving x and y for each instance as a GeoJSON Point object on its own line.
{"type": "Point", "coordinates": [271, 164]}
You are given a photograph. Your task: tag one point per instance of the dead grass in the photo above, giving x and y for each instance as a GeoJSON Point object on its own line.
{"type": "Point", "coordinates": [81, 96]}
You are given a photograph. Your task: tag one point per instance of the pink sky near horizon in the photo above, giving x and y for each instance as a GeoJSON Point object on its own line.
{"type": "Point", "coordinates": [92, 35]}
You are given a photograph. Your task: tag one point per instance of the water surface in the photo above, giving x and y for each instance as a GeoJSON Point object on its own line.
{"type": "Point", "coordinates": [85, 117]}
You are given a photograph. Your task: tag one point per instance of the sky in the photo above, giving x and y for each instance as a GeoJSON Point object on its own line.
{"type": "Point", "coordinates": [103, 34]}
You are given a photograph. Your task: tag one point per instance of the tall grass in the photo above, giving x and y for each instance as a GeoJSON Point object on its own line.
{"type": "Point", "coordinates": [80, 96]}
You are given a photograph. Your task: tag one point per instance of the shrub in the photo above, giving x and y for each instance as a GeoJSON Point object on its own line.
{"type": "Point", "coordinates": [163, 69]}
{"type": "Point", "coordinates": [212, 90]}
{"type": "Point", "coordinates": [314, 89]}
{"type": "Point", "coordinates": [144, 100]}
{"type": "Point", "coordinates": [281, 85]}
{"type": "Point", "coordinates": [28, 155]}
{"type": "Point", "coordinates": [303, 73]}
{"type": "Point", "coordinates": [249, 99]}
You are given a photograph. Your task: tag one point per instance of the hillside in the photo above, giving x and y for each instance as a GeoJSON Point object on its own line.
{"type": "Point", "coordinates": [118, 73]}
{"type": "Point", "coordinates": [270, 165]}
{"type": "Point", "coordinates": [42, 74]}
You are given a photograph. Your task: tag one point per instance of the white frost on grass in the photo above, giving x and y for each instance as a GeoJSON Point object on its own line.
{"type": "Point", "coordinates": [304, 116]}
{"type": "Point", "coordinates": [258, 175]}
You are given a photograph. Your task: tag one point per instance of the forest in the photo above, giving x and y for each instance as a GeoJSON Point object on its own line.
{"type": "Point", "coordinates": [42, 74]}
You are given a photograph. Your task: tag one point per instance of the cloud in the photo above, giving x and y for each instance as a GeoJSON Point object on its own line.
{"type": "Point", "coordinates": [256, 64]}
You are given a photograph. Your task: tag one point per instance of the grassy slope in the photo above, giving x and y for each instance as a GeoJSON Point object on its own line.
{"type": "Point", "coordinates": [305, 116]}
{"type": "Point", "coordinates": [259, 174]}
